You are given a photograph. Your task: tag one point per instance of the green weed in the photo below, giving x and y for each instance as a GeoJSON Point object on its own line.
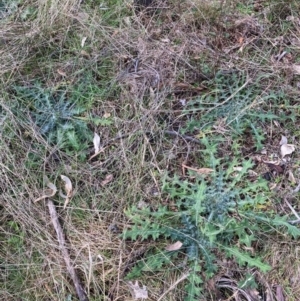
{"type": "Point", "coordinates": [8, 7]}
{"type": "Point", "coordinates": [232, 97]}
{"type": "Point", "coordinates": [60, 115]}
{"type": "Point", "coordinates": [212, 215]}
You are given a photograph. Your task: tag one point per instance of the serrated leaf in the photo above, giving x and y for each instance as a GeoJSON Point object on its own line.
{"type": "Point", "coordinates": [247, 239]}
{"type": "Point", "coordinates": [244, 258]}
{"type": "Point", "coordinates": [292, 230]}
{"type": "Point", "coordinates": [73, 139]}
{"type": "Point", "coordinates": [156, 261]}
{"type": "Point", "coordinates": [193, 288]}
{"type": "Point", "coordinates": [101, 121]}
{"type": "Point", "coordinates": [133, 233]}
{"type": "Point", "coordinates": [136, 271]}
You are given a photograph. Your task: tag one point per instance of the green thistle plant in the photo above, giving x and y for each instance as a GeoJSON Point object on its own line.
{"type": "Point", "coordinates": [57, 114]}
{"type": "Point", "coordinates": [233, 99]}
{"type": "Point", "coordinates": [218, 214]}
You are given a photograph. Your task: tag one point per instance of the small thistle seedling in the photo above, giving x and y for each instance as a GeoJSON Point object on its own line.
{"type": "Point", "coordinates": [218, 214]}
{"type": "Point", "coordinates": [8, 7]}
{"type": "Point", "coordinates": [57, 115]}
{"type": "Point", "coordinates": [233, 99]}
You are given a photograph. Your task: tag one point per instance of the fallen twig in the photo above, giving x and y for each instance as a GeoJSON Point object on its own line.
{"type": "Point", "coordinates": [184, 137]}
{"type": "Point", "coordinates": [292, 209]}
{"type": "Point", "coordinates": [183, 277]}
{"type": "Point", "coordinates": [62, 244]}
{"type": "Point", "coordinates": [280, 56]}
{"type": "Point", "coordinates": [297, 221]}
{"type": "Point", "coordinates": [297, 188]}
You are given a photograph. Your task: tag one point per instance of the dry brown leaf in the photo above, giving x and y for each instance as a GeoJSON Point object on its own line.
{"type": "Point", "coordinates": [52, 188]}
{"type": "Point", "coordinates": [142, 204]}
{"type": "Point", "coordinates": [269, 295]}
{"type": "Point", "coordinates": [237, 168]}
{"type": "Point", "coordinates": [127, 21]}
{"type": "Point", "coordinates": [275, 168]}
{"type": "Point", "coordinates": [252, 173]}
{"type": "Point", "coordinates": [97, 146]}
{"type": "Point", "coordinates": [107, 180]}
{"type": "Point", "coordinates": [253, 293]}
{"type": "Point", "coordinates": [83, 41]}
{"type": "Point", "coordinates": [287, 149]}
{"type": "Point", "coordinates": [202, 171]}
{"type": "Point", "coordinates": [84, 53]}
{"type": "Point", "coordinates": [106, 115]}
{"type": "Point", "coordinates": [182, 102]}
{"type": "Point", "coordinates": [137, 291]}
{"type": "Point", "coordinates": [152, 93]}
{"type": "Point", "coordinates": [279, 293]}
{"type": "Point", "coordinates": [180, 85]}
{"type": "Point", "coordinates": [68, 185]}
{"type": "Point", "coordinates": [283, 140]}
{"type": "Point", "coordinates": [296, 69]}
{"type": "Point", "coordinates": [241, 40]}
{"type": "Point", "coordinates": [68, 189]}
{"type": "Point", "coordinates": [275, 162]}
{"type": "Point", "coordinates": [62, 73]}
{"type": "Point", "coordinates": [291, 177]}
{"type": "Point", "coordinates": [175, 246]}
{"type": "Point", "coordinates": [96, 142]}
{"type": "Point", "coordinates": [263, 151]}
{"type": "Point", "coordinates": [165, 40]}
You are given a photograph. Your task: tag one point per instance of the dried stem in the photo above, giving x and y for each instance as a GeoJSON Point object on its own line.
{"type": "Point", "coordinates": [182, 278]}
{"type": "Point", "coordinates": [62, 245]}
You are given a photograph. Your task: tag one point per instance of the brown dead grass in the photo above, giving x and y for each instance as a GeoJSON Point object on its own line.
{"type": "Point", "coordinates": [20, 40]}
{"type": "Point", "coordinates": [158, 59]}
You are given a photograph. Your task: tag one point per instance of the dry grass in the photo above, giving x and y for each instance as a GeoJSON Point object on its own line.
{"type": "Point", "coordinates": [145, 63]}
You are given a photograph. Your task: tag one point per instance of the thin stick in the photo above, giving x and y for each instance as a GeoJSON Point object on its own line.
{"type": "Point", "coordinates": [184, 137]}
{"type": "Point", "coordinates": [230, 97]}
{"type": "Point", "coordinates": [292, 209]}
{"type": "Point", "coordinates": [297, 188]}
{"type": "Point", "coordinates": [62, 245]}
{"type": "Point", "coordinates": [297, 221]}
{"type": "Point", "coordinates": [183, 277]}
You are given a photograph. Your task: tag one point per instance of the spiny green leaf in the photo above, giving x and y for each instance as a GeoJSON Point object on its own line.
{"type": "Point", "coordinates": [153, 263]}
{"type": "Point", "coordinates": [244, 258]}
{"type": "Point", "coordinates": [101, 121]}
{"type": "Point", "coordinates": [292, 230]}
{"type": "Point", "coordinates": [194, 288]}
{"type": "Point", "coordinates": [277, 221]}
{"type": "Point", "coordinates": [248, 282]}
{"type": "Point", "coordinates": [156, 261]}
